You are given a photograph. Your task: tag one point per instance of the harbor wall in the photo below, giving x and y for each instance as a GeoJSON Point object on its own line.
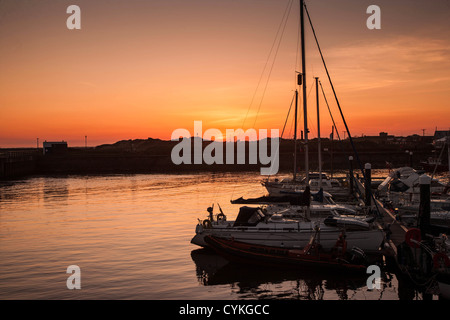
{"type": "Point", "coordinates": [154, 156]}
{"type": "Point", "coordinates": [15, 164]}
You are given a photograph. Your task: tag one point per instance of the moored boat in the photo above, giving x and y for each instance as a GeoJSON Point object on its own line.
{"type": "Point", "coordinates": [286, 186]}
{"type": "Point", "coordinates": [253, 226]}
{"type": "Point", "coordinates": [312, 255]}
{"type": "Point", "coordinates": [434, 165]}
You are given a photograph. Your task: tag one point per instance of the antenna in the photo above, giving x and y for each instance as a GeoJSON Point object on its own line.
{"type": "Point", "coordinates": [220, 209]}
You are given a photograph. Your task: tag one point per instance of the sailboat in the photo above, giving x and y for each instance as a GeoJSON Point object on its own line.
{"type": "Point", "coordinates": [255, 226]}
{"type": "Point", "coordinates": [316, 181]}
{"type": "Point", "coordinates": [287, 186]}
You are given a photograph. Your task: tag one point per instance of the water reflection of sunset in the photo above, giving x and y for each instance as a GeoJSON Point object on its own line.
{"type": "Point", "coordinates": [130, 235]}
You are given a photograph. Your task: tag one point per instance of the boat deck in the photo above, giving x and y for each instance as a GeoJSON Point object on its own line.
{"type": "Point", "coordinates": [398, 230]}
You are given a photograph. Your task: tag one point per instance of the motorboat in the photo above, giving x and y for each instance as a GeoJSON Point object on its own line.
{"type": "Point", "coordinates": [402, 190]}
{"type": "Point", "coordinates": [401, 194]}
{"type": "Point", "coordinates": [406, 180]}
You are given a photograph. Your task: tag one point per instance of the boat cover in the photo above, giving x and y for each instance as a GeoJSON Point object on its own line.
{"type": "Point", "coordinates": [248, 217]}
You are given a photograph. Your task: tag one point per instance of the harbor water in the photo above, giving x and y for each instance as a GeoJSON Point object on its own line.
{"type": "Point", "coordinates": [130, 236]}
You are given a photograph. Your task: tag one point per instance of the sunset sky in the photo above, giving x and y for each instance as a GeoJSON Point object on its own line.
{"type": "Point", "coordinates": [143, 68]}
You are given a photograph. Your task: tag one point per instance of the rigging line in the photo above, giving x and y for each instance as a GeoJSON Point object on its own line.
{"type": "Point", "coordinates": [287, 117]}
{"type": "Point", "coordinates": [334, 92]}
{"type": "Point", "coordinates": [312, 87]}
{"type": "Point", "coordinates": [334, 124]}
{"type": "Point", "coordinates": [300, 114]}
{"type": "Point", "coordinates": [291, 125]}
{"type": "Point", "coordinates": [277, 152]}
{"type": "Point", "coordinates": [284, 19]}
{"type": "Point", "coordinates": [309, 117]}
{"type": "Point", "coordinates": [329, 110]}
{"type": "Point", "coordinates": [439, 159]}
{"type": "Point", "coordinates": [267, 61]}
{"type": "Point", "coordinates": [273, 63]}
{"type": "Point", "coordinates": [311, 128]}
{"type": "Point", "coordinates": [339, 106]}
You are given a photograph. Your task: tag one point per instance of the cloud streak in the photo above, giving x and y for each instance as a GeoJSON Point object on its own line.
{"type": "Point", "coordinates": [401, 61]}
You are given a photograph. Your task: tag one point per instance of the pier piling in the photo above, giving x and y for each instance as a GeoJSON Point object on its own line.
{"type": "Point", "coordinates": [350, 160]}
{"type": "Point", "coordinates": [368, 184]}
{"type": "Point", "coordinates": [424, 207]}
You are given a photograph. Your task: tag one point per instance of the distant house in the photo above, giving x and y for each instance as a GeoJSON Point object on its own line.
{"type": "Point", "coordinates": [54, 147]}
{"type": "Point", "coordinates": [382, 138]}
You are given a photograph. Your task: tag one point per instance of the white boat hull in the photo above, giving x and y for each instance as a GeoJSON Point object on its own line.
{"type": "Point", "coordinates": [367, 240]}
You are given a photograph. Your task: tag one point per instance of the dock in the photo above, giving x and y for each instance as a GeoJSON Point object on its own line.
{"type": "Point", "coordinates": [386, 221]}
{"type": "Point", "coordinates": [409, 252]}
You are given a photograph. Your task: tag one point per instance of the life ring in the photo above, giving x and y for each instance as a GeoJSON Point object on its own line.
{"type": "Point", "coordinates": [413, 234]}
{"type": "Point", "coordinates": [440, 259]}
{"type": "Point", "coordinates": [221, 217]}
{"type": "Point", "coordinates": [207, 224]}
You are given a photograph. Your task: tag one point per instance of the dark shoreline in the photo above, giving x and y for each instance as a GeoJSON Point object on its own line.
{"type": "Point", "coordinates": [154, 156]}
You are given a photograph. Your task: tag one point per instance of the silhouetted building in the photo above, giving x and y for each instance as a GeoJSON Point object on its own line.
{"type": "Point", "coordinates": [54, 147]}
{"type": "Point", "coordinates": [382, 138]}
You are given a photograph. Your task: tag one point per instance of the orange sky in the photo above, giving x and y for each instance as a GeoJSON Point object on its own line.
{"type": "Point", "coordinates": [141, 69]}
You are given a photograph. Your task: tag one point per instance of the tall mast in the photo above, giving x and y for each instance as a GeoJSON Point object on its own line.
{"type": "Point", "coordinates": [319, 147]}
{"type": "Point", "coordinates": [295, 136]}
{"type": "Point", "coordinates": [305, 109]}
{"type": "Point", "coordinates": [448, 155]}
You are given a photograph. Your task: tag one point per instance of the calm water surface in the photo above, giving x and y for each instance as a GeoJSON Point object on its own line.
{"type": "Point", "coordinates": [130, 235]}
